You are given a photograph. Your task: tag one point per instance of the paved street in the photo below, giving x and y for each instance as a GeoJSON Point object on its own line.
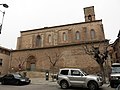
{"type": "Point", "coordinates": [42, 87]}
{"type": "Point", "coordinates": [41, 84]}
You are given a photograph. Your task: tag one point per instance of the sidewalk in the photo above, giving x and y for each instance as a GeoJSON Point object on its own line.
{"type": "Point", "coordinates": [42, 81]}
{"type": "Point", "coordinates": [106, 85]}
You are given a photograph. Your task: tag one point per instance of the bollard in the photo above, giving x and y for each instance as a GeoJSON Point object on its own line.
{"type": "Point", "coordinates": [47, 75]}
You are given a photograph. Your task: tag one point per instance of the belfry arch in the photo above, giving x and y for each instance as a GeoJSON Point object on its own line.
{"type": "Point", "coordinates": [31, 63]}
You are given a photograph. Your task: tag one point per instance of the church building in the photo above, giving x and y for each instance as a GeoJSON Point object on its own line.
{"type": "Point", "coordinates": [60, 46]}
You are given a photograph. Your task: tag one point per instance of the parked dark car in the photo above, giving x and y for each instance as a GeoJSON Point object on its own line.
{"type": "Point", "coordinates": [14, 79]}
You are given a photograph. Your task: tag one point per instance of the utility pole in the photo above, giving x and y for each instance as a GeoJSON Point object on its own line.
{"type": "Point", "coordinates": [1, 24]}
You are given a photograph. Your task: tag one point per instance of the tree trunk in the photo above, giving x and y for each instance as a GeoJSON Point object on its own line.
{"type": "Point", "coordinates": [53, 72]}
{"type": "Point", "coordinates": [102, 72]}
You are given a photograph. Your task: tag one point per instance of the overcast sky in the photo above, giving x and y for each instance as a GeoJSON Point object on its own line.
{"type": "Point", "coordinates": [33, 14]}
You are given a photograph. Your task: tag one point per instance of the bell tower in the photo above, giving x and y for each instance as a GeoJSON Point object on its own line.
{"type": "Point", "coordinates": [89, 14]}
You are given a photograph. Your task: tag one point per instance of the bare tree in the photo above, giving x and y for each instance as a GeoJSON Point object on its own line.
{"type": "Point", "coordinates": [53, 59]}
{"type": "Point", "coordinates": [98, 56]}
{"type": "Point", "coordinates": [21, 62]}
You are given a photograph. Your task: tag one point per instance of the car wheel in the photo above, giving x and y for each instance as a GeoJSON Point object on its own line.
{"type": "Point", "coordinates": [118, 87]}
{"type": "Point", "coordinates": [17, 82]}
{"type": "Point", "coordinates": [3, 82]}
{"type": "Point", "coordinates": [113, 85]}
{"type": "Point", "coordinates": [64, 84]}
{"type": "Point", "coordinates": [92, 85]}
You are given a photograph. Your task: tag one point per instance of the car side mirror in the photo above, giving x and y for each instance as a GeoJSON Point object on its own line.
{"type": "Point", "coordinates": [81, 74]}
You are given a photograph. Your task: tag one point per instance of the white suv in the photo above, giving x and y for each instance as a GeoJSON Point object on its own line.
{"type": "Point", "coordinates": [75, 77]}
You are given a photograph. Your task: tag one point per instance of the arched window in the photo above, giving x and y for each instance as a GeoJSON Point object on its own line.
{"type": "Point", "coordinates": [38, 41]}
{"type": "Point", "coordinates": [1, 62]}
{"type": "Point", "coordinates": [77, 35]}
{"type": "Point", "coordinates": [64, 36]}
{"type": "Point", "coordinates": [92, 33]}
{"type": "Point", "coordinates": [90, 18]}
{"type": "Point", "coordinates": [49, 38]}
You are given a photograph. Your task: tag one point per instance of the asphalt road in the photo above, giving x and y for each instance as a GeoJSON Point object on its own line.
{"type": "Point", "coordinates": [43, 87]}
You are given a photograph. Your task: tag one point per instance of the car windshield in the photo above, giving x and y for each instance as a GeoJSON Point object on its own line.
{"type": "Point", "coordinates": [84, 73]}
{"type": "Point", "coordinates": [18, 75]}
{"type": "Point", "coordinates": [115, 69]}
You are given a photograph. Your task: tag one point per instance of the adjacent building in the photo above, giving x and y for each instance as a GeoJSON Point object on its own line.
{"type": "Point", "coordinates": [4, 60]}
{"type": "Point", "coordinates": [116, 50]}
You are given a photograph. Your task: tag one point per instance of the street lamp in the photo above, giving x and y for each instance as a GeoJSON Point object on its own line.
{"type": "Point", "coordinates": [6, 6]}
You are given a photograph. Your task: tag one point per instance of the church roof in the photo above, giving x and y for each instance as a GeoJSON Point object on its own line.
{"type": "Point", "coordinates": [59, 26]}
{"type": "Point", "coordinates": [118, 34]}
{"type": "Point", "coordinates": [4, 48]}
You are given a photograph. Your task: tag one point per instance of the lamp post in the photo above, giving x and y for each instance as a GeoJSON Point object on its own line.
{"type": "Point", "coordinates": [6, 6]}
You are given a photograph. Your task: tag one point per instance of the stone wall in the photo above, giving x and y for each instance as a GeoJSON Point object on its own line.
{"type": "Point", "coordinates": [72, 56]}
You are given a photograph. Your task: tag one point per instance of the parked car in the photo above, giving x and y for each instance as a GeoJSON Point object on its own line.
{"type": "Point", "coordinates": [75, 77]}
{"type": "Point", "coordinates": [115, 75]}
{"type": "Point", "coordinates": [14, 79]}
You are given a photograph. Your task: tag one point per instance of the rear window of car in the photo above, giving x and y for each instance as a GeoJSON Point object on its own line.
{"type": "Point", "coordinates": [64, 72]}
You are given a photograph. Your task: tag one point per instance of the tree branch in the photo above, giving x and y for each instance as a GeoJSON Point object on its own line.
{"type": "Point", "coordinates": [49, 59]}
